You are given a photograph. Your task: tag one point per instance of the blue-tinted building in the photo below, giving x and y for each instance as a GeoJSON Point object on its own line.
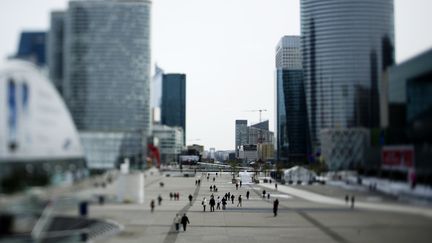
{"type": "Point", "coordinates": [291, 114]}
{"type": "Point", "coordinates": [174, 101]}
{"type": "Point", "coordinates": [32, 47]}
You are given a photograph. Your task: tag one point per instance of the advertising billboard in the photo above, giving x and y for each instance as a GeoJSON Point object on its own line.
{"type": "Point", "coordinates": [398, 157]}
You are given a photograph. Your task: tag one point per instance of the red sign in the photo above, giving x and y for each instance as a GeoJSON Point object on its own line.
{"type": "Point", "coordinates": [397, 157]}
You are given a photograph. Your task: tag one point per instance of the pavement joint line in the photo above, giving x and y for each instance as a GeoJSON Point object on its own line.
{"type": "Point", "coordinates": [171, 237]}
{"type": "Point", "coordinates": [332, 234]}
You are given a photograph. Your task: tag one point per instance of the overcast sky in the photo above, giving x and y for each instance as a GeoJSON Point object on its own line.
{"type": "Point", "coordinates": [225, 47]}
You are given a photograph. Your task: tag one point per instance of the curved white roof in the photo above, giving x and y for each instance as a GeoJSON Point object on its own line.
{"type": "Point", "coordinates": [34, 121]}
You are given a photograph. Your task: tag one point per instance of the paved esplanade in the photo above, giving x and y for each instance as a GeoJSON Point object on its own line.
{"type": "Point", "coordinates": [298, 220]}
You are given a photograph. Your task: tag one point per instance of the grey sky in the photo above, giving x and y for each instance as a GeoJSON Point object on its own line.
{"type": "Point", "coordinates": [226, 48]}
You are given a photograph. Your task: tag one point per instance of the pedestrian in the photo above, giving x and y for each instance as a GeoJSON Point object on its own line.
{"type": "Point", "coordinates": [263, 193]}
{"type": "Point", "coordinates": [346, 199]}
{"type": "Point", "coordinates": [211, 188]}
{"type": "Point", "coordinates": [268, 195]}
{"type": "Point", "coordinates": [196, 182]}
{"type": "Point", "coordinates": [275, 186]}
{"type": "Point", "coordinates": [171, 196]}
{"type": "Point", "coordinates": [275, 207]}
{"type": "Point", "coordinates": [190, 199]}
{"type": "Point", "coordinates": [232, 199]}
{"type": "Point", "coordinates": [215, 188]}
{"type": "Point", "coordinates": [218, 202]}
{"type": "Point", "coordinates": [214, 179]}
{"type": "Point", "coordinates": [212, 204]}
{"type": "Point", "coordinates": [229, 195]}
{"type": "Point", "coordinates": [224, 203]}
{"type": "Point", "coordinates": [199, 182]}
{"type": "Point", "coordinates": [152, 205]}
{"type": "Point", "coordinates": [241, 183]}
{"type": "Point", "coordinates": [237, 186]}
{"type": "Point", "coordinates": [352, 201]}
{"type": "Point", "coordinates": [247, 195]}
{"type": "Point", "coordinates": [204, 203]}
{"type": "Point", "coordinates": [161, 184]}
{"type": "Point", "coordinates": [184, 221]}
{"type": "Point", "coordinates": [178, 196]}
{"type": "Point", "coordinates": [177, 221]}
{"type": "Point", "coordinates": [159, 200]}
{"type": "Point", "coordinates": [239, 204]}
{"type": "Point", "coordinates": [208, 178]}
{"type": "Point", "coordinates": [216, 174]}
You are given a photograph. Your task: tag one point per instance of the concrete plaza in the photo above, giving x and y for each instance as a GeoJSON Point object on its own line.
{"type": "Point", "coordinates": [299, 219]}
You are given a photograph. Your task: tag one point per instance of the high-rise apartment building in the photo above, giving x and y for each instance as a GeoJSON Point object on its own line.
{"type": "Point", "coordinates": [291, 114]}
{"type": "Point", "coordinates": [174, 101]}
{"type": "Point", "coordinates": [107, 75]}
{"type": "Point", "coordinates": [346, 45]}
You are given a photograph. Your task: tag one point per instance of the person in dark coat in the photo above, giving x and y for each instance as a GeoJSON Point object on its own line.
{"type": "Point", "coordinates": [232, 198]}
{"type": "Point", "coordinates": [184, 221]}
{"type": "Point", "coordinates": [224, 203]}
{"type": "Point", "coordinates": [239, 204]}
{"type": "Point", "coordinates": [263, 193]}
{"type": "Point", "coordinates": [190, 199]}
{"type": "Point", "coordinates": [275, 207]}
{"type": "Point", "coordinates": [152, 205]}
{"type": "Point", "coordinates": [212, 204]}
{"type": "Point", "coordinates": [247, 195]}
{"type": "Point", "coordinates": [159, 200]}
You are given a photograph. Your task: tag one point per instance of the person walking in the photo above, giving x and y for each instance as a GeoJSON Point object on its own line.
{"type": "Point", "coordinates": [239, 204]}
{"type": "Point", "coordinates": [275, 207]}
{"type": "Point", "coordinates": [237, 186]}
{"type": "Point", "coordinates": [159, 200]}
{"type": "Point", "coordinates": [352, 201]}
{"type": "Point", "coordinates": [214, 179]}
{"type": "Point", "coordinates": [263, 193]}
{"type": "Point", "coordinates": [241, 183]}
{"type": "Point", "coordinates": [224, 203]}
{"type": "Point", "coordinates": [212, 204]}
{"type": "Point", "coordinates": [152, 205]}
{"type": "Point", "coordinates": [232, 198]}
{"type": "Point", "coordinates": [211, 188]}
{"type": "Point", "coordinates": [171, 196]}
{"type": "Point", "coordinates": [275, 186]}
{"type": "Point", "coordinates": [218, 202]}
{"type": "Point", "coordinates": [190, 199]}
{"type": "Point", "coordinates": [346, 199]}
{"type": "Point", "coordinates": [268, 195]}
{"type": "Point", "coordinates": [247, 195]}
{"type": "Point", "coordinates": [204, 203]}
{"type": "Point", "coordinates": [177, 221]}
{"type": "Point", "coordinates": [184, 221]}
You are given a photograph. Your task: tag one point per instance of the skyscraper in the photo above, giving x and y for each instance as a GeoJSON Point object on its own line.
{"type": "Point", "coordinates": [174, 101]}
{"type": "Point", "coordinates": [241, 134]}
{"type": "Point", "coordinates": [55, 49]}
{"type": "Point", "coordinates": [107, 76]}
{"type": "Point", "coordinates": [291, 113]}
{"type": "Point", "coordinates": [346, 45]}
{"type": "Point", "coordinates": [32, 47]}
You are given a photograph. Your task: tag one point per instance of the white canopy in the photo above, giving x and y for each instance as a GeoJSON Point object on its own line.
{"type": "Point", "coordinates": [298, 173]}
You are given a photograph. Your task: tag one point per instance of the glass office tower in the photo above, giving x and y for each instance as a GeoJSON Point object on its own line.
{"type": "Point", "coordinates": [174, 101]}
{"type": "Point", "coordinates": [346, 45]}
{"type": "Point", "coordinates": [107, 75]}
{"type": "Point", "coordinates": [291, 115]}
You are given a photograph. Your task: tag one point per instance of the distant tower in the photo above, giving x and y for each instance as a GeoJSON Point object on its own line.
{"type": "Point", "coordinates": [291, 114]}
{"type": "Point", "coordinates": [342, 44]}
{"type": "Point", "coordinates": [174, 101]}
{"type": "Point", "coordinates": [55, 49]}
{"type": "Point", "coordinates": [241, 134]}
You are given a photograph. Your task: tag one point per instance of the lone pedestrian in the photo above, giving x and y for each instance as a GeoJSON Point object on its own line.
{"type": "Point", "coordinates": [239, 204]}
{"type": "Point", "coordinates": [275, 186]}
{"type": "Point", "coordinates": [190, 199]}
{"type": "Point", "coordinates": [241, 183]}
{"type": "Point", "coordinates": [268, 195]}
{"type": "Point", "coordinates": [346, 199]}
{"type": "Point", "coordinates": [224, 203]}
{"type": "Point", "coordinates": [171, 196]}
{"type": "Point", "coordinates": [275, 207]}
{"type": "Point", "coordinates": [204, 203]}
{"type": "Point", "coordinates": [214, 179]}
{"type": "Point", "coordinates": [232, 199]}
{"type": "Point", "coordinates": [237, 185]}
{"type": "Point", "coordinates": [263, 193]}
{"type": "Point", "coordinates": [211, 188]}
{"type": "Point", "coordinates": [212, 204]}
{"type": "Point", "coordinates": [184, 221]}
{"type": "Point", "coordinates": [218, 202]}
{"type": "Point", "coordinates": [152, 205]}
{"type": "Point", "coordinates": [352, 201]}
{"type": "Point", "coordinates": [159, 200]}
{"type": "Point", "coordinates": [177, 221]}
{"type": "Point", "coordinates": [247, 195]}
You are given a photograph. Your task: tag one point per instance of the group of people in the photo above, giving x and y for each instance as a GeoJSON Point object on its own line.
{"type": "Point", "coordinates": [347, 200]}
{"type": "Point", "coordinates": [213, 188]}
{"type": "Point", "coordinates": [174, 195]}
{"type": "Point", "coordinates": [198, 182]}
{"type": "Point", "coordinates": [184, 220]}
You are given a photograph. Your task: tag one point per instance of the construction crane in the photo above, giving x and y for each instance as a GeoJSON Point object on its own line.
{"type": "Point", "coordinates": [260, 111]}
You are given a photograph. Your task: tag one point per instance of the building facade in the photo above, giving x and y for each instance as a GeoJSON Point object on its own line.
{"type": "Point", "coordinates": [346, 45]}
{"type": "Point", "coordinates": [32, 47]}
{"type": "Point", "coordinates": [170, 142]}
{"type": "Point", "coordinates": [292, 137]}
{"type": "Point", "coordinates": [107, 72]}
{"type": "Point", "coordinates": [55, 49]}
{"type": "Point", "coordinates": [241, 134]}
{"type": "Point", "coordinates": [174, 101]}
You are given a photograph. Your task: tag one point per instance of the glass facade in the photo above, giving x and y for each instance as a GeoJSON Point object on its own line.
{"type": "Point", "coordinates": [32, 47]}
{"type": "Point", "coordinates": [346, 45]}
{"type": "Point", "coordinates": [174, 101]}
{"type": "Point", "coordinates": [107, 69]}
{"type": "Point", "coordinates": [55, 50]}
